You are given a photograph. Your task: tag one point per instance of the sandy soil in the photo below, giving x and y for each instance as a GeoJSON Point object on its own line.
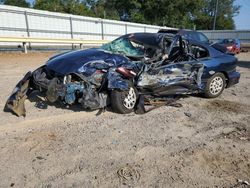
{"type": "Point", "coordinates": [205, 143]}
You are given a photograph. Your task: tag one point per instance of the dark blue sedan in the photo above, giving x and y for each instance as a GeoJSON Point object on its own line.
{"type": "Point", "coordinates": [120, 72]}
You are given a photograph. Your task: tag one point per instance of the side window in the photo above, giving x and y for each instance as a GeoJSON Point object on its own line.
{"type": "Point", "coordinates": [191, 35]}
{"type": "Point", "coordinates": [225, 41]}
{"type": "Point", "coordinates": [199, 52]}
{"type": "Point", "coordinates": [203, 38]}
{"type": "Point", "coordinates": [195, 36]}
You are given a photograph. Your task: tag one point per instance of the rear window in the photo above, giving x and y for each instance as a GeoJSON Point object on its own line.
{"type": "Point", "coordinates": [196, 36]}
{"type": "Point", "coordinates": [228, 41]}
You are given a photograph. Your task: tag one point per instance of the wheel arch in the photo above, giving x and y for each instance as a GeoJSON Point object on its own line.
{"type": "Point", "coordinates": [226, 76]}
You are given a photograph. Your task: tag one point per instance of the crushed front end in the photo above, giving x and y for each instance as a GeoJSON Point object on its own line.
{"type": "Point", "coordinates": [71, 88]}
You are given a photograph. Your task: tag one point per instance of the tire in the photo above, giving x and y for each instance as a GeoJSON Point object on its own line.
{"type": "Point", "coordinates": [123, 101]}
{"type": "Point", "coordinates": [215, 85]}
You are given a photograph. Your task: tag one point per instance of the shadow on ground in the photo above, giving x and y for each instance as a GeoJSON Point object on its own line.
{"type": "Point", "coordinates": [244, 64]}
{"type": "Point", "coordinates": [41, 103]}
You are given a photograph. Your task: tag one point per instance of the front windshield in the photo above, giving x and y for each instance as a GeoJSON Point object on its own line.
{"type": "Point", "coordinates": [124, 46]}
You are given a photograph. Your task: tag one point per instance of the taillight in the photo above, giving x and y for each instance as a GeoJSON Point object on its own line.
{"type": "Point", "coordinates": [125, 72]}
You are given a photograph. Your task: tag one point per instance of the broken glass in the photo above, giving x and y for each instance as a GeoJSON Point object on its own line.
{"type": "Point", "coordinates": [124, 46]}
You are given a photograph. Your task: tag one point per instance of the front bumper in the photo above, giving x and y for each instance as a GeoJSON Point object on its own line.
{"type": "Point", "coordinates": [233, 78]}
{"type": "Point", "coordinates": [15, 103]}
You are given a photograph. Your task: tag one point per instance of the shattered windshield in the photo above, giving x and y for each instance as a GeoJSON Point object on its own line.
{"type": "Point", "coordinates": [124, 46]}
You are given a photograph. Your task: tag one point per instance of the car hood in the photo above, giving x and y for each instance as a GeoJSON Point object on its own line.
{"type": "Point", "coordinates": [73, 61]}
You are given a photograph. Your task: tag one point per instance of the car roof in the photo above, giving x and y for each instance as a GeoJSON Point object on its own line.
{"type": "Point", "coordinates": [172, 31]}
{"type": "Point", "coordinates": [149, 39]}
{"type": "Point", "coordinates": [179, 31]}
{"type": "Point", "coordinates": [189, 34]}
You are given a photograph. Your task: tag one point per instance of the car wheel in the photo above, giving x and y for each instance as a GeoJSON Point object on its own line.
{"type": "Point", "coordinates": [123, 101]}
{"type": "Point", "coordinates": [215, 85]}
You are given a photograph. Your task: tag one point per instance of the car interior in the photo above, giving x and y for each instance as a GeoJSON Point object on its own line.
{"type": "Point", "coordinates": [198, 51]}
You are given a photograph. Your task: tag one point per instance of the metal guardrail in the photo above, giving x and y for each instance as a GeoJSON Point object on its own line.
{"type": "Point", "coordinates": [25, 40]}
{"type": "Point", "coordinates": [215, 35]}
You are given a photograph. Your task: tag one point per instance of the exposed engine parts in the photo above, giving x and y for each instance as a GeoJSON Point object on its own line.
{"type": "Point", "coordinates": [71, 91]}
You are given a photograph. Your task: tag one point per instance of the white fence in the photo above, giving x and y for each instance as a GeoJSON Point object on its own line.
{"type": "Point", "coordinates": [25, 22]}
{"type": "Point", "coordinates": [243, 35]}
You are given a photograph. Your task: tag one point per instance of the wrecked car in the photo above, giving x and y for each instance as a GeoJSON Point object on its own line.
{"type": "Point", "coordinates": [134, 65]}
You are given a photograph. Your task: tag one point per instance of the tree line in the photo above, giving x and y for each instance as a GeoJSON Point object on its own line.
{"type": "Point", "coordinates": [190, 14]}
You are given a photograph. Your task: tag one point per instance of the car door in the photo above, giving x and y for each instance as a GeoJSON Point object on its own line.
{"type": "Point", "coordinates": [175, 78]}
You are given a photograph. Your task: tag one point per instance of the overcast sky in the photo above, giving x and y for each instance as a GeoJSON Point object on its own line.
{"type": "Point", "coordinates": [242, 21]}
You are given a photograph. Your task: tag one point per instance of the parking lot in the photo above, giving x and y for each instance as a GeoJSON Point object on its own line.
{"type": "Point", "coordinates": [67, 147]}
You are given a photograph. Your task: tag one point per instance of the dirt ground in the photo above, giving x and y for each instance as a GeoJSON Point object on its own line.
{"type": "Point", "coordinates": [204, 143]}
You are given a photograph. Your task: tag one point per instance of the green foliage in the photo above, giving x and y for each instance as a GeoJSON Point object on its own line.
{"type": "Point", "coordinates": [178, 13]}
{"type": "Point", "coordinates": [225, 13]}
{"type": "Point", "coordinates": [76, 7]}
{"type": "Point", "coordinates": [19, 3]}
{"type": "Point", "coordinates": [65, 6]}
{"type": "Point", "coordinates": [50, 5]}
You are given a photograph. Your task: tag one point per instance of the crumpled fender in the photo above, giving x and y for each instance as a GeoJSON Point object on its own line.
{"type": "Point", "coordinates": [115, 80]}
{"type": "Point", "coordinates": [15, 103]}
